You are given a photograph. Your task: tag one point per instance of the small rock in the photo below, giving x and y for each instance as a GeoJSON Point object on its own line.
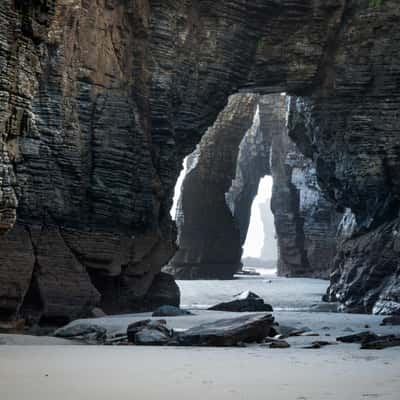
{"type": "Point", "coordinates": [392, 320]}
{"type": "Point", "coordinates": [279, 344]}
{"type": "Point", "coordinates": [302, 332]}
{"type": "Point", "coordinates": [170, 311]}
{"type": "Point", "coordinates": [151, 337]}
{"type": "Point", "coordinates": [98, 313]}
{"type": "Point", "coordinates": [243, 302]}
{"type": "Point", "coordinates": [81, 330]}
{"type": "Point", "coordinates": [136, 327]}
{"type": "Point", "coordinates": [361, 337]}
{"type": "Point", "coordinates": [318, 344]}
{"type": "Point", "coordinates": [382, 342]}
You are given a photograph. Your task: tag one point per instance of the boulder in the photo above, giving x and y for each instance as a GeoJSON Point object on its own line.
{"type": "Point", "coordinates": [151, 337]}
{"type": "Point", "coordinates": [170, 311]}
{"type": "Point", "coordinates": [95, 332]}
{"type": "Point", "coordinates": [243, 302]}
{"type": "Point", "coordinates": [229, 332]}
{"type": "Point", "coordinates": [382, 342]}
{"type": "Point", "coordinates": [135, 328]}
{"type": "Point", "coordinates": [279, 344]}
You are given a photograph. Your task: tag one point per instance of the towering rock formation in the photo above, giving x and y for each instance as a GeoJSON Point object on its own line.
{"type": "Point", "coordinates": [252, 164]}
{"type": "Point", "coordinates": [209, 234]}
{"type": "Point", "coordinates": [306, 222]}
{"type": "Point", "coordinates": [211, 238]}
{"type": "Point", "coordinates": [100, 101]}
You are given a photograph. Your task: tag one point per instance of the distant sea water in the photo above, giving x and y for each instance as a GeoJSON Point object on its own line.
{"type": "Point", "coordinates": [284, 294]}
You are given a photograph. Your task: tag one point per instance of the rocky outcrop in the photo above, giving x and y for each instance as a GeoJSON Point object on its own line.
{"type": "Point", "coordinates": [366, 272]}
{"type": "Point", "coordinates": [210, 236]}
{"type": "Point", "coordinates": [305, 220]}
{"type": "Point", "coordinates": [350, 129]}
{"type": "Point", "coordinates": [101, 100]}
{"type": "Point", "coordinates": [252, 164]}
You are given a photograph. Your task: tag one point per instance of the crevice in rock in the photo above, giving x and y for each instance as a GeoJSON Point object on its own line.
{"type": "Point", "coordinates": [32, 305]}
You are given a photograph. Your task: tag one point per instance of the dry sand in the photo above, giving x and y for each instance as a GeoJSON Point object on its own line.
{"type": "Point", "coordinates": [114, 373]}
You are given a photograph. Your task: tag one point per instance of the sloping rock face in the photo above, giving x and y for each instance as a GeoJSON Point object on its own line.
{"type": "Point", "coordinates": [350, 128]}
{"type": "Point", "coordinates": [210, 238]}
{"type": "Point", "coordinates": [100, 100]}
{"type": "Point", "coordinates": [305, 220]}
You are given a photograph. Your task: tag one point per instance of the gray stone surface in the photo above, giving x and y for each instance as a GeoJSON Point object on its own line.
{"type": "Point", "coordinates": [229, 332]}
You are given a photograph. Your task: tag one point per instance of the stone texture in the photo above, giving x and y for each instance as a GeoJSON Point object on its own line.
{"type": "Point", "coordinates": [243, 302]}
{"type": "Point", "coordinates": [229, 332]}
{"type": "Point", "coordinates": [252, 164]}
{"type": "Point", "coordinates": [100, 101]}
{"type": "Point", "coordinates": [366, 275]}
{"type": "Point", "coordinates": [306, 221]}
{"type": "Point", "coordinates": [210, 238]}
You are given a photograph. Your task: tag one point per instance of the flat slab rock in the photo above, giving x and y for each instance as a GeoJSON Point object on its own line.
{"type": "Point", "coordinates": [229, 332]}
{"type": "Point", "coordinates": [243, 302]}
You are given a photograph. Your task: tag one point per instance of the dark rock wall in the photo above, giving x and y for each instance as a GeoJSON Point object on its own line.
{"type": "Point", "coordinates": [252, 164]}
{"type": "Point", "coordinates": [100, 100]}
{"type": "Point", "coordinates": [210, 236]}
{"type": "Point", "coordinates": [306, 221]}
{"type": "Point", "coordinates": [352, 133]}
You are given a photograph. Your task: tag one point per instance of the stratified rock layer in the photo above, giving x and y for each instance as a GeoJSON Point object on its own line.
{"type": "Point", "coordinates": [210, 237]}
{"type": "Point", "coordinates": [100, 100]}
{"type": "Point", "coordinates": [306, 222]}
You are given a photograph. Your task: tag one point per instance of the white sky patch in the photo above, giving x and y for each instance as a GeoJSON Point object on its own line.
{"type": "Point", "coordinates": [255, 235]}
{"type": "Point", "coordinates": [177, 191]}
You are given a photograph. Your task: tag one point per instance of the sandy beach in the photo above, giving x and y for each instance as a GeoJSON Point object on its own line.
{"type": "Point", "coordinates": [38, 371]}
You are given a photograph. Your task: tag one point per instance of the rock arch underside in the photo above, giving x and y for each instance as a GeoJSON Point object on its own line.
{"type": "Point", "coordinates": [100, 101]}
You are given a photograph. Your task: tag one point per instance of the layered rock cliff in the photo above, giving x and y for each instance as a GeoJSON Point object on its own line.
{"type": "Point", "coordinates": [211, 238]}
{"type": "Point", "coordinates": [100, 101]}
{"type": "Point", "coordinates": [306, 222]}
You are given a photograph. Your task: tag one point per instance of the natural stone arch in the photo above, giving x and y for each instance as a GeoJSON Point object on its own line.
{"type": "Point", "coordinates": [213, 220]}
{"type": "Point", "coordinates": [168, 68]}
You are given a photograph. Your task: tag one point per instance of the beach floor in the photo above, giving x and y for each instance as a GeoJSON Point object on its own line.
{"type": "Point", "coordinates": [32, 369]}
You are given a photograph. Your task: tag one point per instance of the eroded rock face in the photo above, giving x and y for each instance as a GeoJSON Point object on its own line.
{"type": "Point", "coordinates": [366, 272]}
{"type": "Point", "coordinates": [306, 221]}
{"type": "Point", "coordinates": [210, 237]}
{"type": "Point", "coordinates": [252, 164]}
{"type": "Point", "coordinates": [350, 126]}
{"type": "Point", "coordinates": [100, 100]}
